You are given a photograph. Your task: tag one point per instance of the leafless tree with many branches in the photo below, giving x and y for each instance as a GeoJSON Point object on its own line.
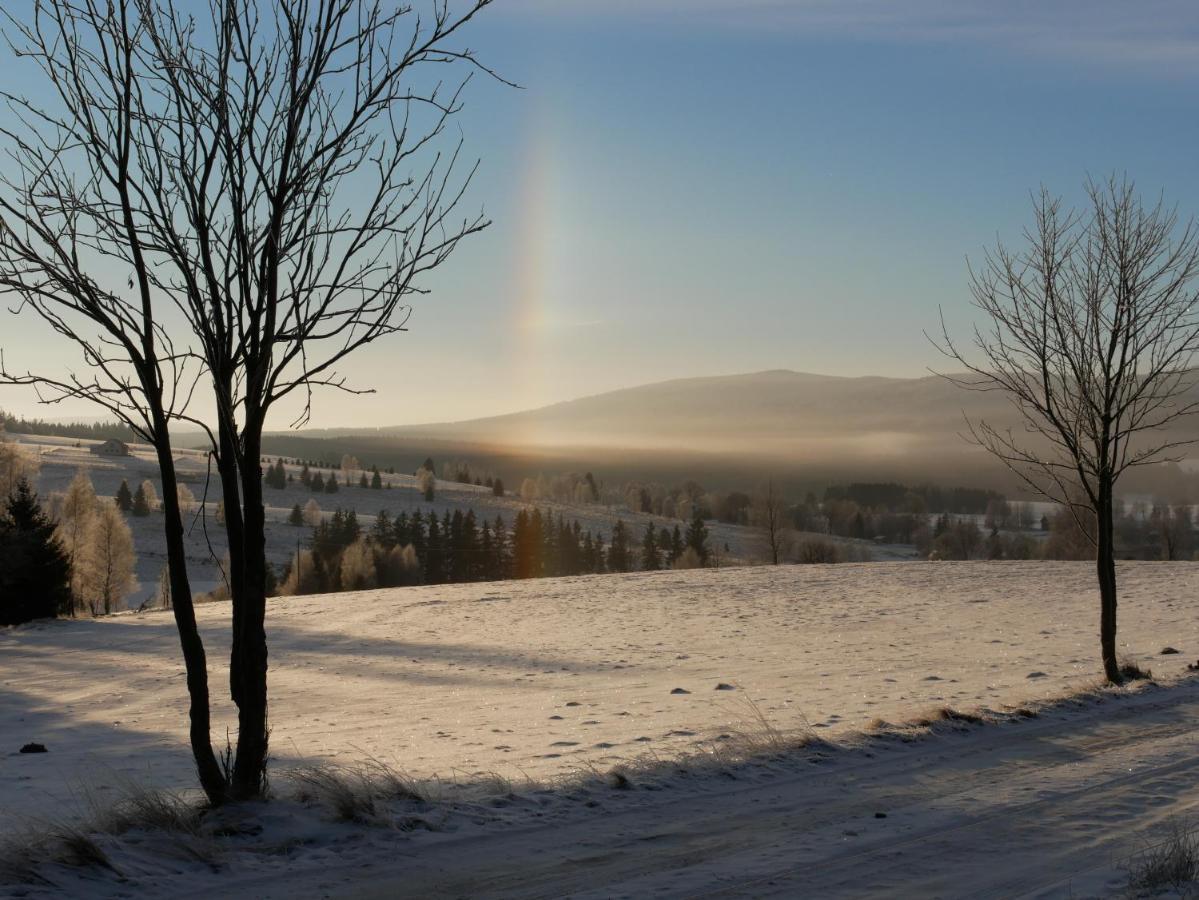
{"type": "Point", "coordinates": [277, 179]}
{"type": "Point", "coordinates": [1091, 331]}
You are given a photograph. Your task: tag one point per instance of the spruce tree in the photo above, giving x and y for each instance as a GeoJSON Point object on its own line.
{"type": "Point", "coordinates": [141, 506]}
{"type": "Point", "coordinates": [296, 517]}
{"type": "Point", "coordinates": [124, 498]}
{"type": "Point", "coordinates": [697, 536]}
{"type": "Point", "coordinates": [331, 484]}
{"type": "Point", "coordinates": [305, 476]}
{"type": "Point", "coordinates": [376, 479]}
{"type": "Point", "coordinates": [651, 557]}
{"type": "Point", "coordinates": [497, 487]}
{"type": "Point", "coordinates": [317, 484]}
{"type": "Point", "coordinates": [676, 546]}
{"type": "Point", "coordinates": [35, 578]}
{"type": "Point", "coordinates": [618, 550]}
{"type": "Point", "coordinates": [362, 482]}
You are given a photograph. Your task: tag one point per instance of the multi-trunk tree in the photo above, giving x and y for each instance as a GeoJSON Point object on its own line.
{"type": "Point", "coordinates": [227, 204]}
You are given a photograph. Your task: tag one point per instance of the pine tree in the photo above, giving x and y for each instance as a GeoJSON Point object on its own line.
{"type": "Point", "coordinates": [376, 479]}
{"type": "Point", "coordinates": [618, 549]}
{"type": "Point", "coordinates": [651, 558]}
{"type": "Point", "coordinates": [141, 506]}
{"type": "Point", "coordinates": [362, 482]}
{"type": "Point", "coordinates": [316, 484]}
{"type": "Point", "coordinates": [124, 498]}
{"type": "Point", "coordinates": [676, 546]}
{"type": "Point", "coordinates": [697, 536]}
{"type": "Point", "coordinates": [331, 484]}
{"type": "Point", "coordinates": [305, 476]}
{"type": "Point", "coordinates": [497, 487]}
{"type": "Point", "coordinates": [381, 531]}
{"type": "Point", "coordinates": [434, 555]}
{"type": "Point", "coordinates": [296, 517]}
{"type": "Point", "coordinates": [35, 579]}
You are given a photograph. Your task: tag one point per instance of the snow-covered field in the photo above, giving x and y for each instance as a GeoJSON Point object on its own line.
{"type": "Point", "coordinates": [545, 679]}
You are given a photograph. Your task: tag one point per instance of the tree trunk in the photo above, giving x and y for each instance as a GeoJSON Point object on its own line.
{"type": "Point", "coordinates": [249, 773]}
{"type": "Point", "coordinates": [212, 780]}
{"type": "Point", "coordinates": [1105, 563]}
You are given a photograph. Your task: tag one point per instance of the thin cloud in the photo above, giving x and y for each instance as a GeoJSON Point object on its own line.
{"type": "Point", "coordinates": [1155, 34]}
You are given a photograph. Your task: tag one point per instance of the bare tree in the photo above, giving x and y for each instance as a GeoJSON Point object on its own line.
{"type": "Point", "coordinates": [1091, 331]}
{"type": "Point", "coordinates": [68, 222]}
{"type": "Point", "coordinates": [282, 187]}
{"type": "Point", "coordinates": [769, 512]}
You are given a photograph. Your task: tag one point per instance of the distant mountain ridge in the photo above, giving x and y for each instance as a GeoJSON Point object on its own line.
{"type": "Point", "coordinates": [761, 413]}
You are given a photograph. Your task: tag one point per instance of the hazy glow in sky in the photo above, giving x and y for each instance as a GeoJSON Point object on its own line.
{"type": "Point", "coordinates": [688, 187]}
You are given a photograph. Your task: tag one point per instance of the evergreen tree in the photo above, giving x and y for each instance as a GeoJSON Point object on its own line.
{"type": "Point", "coordinates": [362, 482]}
{"type": "Point", "coordinates": [141, 506]}
{"type": "Point", "coordinates": [35, 578]}
{"type": "Point", "coordinates": [381, 531]}
{"type": "Point", "coordinates": [523, 552]}
{"type": "Point", "coordinates": [618, 549]}
{"type": "Point", "coordinates": [305, 476]}
{"type": "Point", "coordinates": [434, 554]}
{"type": "Point", "coordinates": [316, 483]}
{"type": "Point", "coordinates": [676, 546]}
{"type": "Point", "coordinates": [331, 484]}
{"type": "Point", "coordinates": [296, 517]}
{"type": "Point", "coordinates": [124, 498]}
{"type": "Point", "coordinates": [697, 536]}
{"type": "Point", "coordinates": [503, 556]}
{"type": "Point", "coordinates": [472, 562]}
{"type": "Point", "coordinates": [497, 487]}
{"type": "Point", "coordinates": [376, 479]}
{"type": "Point", "coordinates": [651, 557]}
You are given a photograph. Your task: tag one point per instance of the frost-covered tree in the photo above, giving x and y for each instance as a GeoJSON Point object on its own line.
{"type": "Point", "coordinates": [358, 571]}
{"type": "Point", "coordinates": [107, 575]}
{"type": "Point", "coordinates": [187, 500]}
{"type": "Point", "coordinates": [312, 513]}
{"type": "Point", "coordinates": [16, 463]}
{"type": "Point", "coordinates": [75, 512]}
{"type": "Point", "coordinates": [426, 483]}
{"type": "Point", "coordinates": [401, 567]}
{"type": "Point", "coordinates": [151, 495]}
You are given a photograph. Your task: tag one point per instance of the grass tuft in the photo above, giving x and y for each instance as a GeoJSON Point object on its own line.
{"type": "Point", "coordinates": [1170, 864]}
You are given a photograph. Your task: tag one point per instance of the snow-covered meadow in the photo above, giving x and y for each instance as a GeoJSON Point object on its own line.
{"type": "Point", "coordinates": [544, 681]}
{"type": "Point", "coordinates": [536, 678]}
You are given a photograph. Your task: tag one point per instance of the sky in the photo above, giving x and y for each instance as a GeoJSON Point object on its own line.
{"type": "Point", "coordinates": [698, 187]}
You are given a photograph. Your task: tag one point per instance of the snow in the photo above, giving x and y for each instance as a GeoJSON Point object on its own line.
{"type": "Point", "coordinates": [544, 680]}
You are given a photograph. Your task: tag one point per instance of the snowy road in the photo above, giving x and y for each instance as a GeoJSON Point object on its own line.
{"type": "Point", "coordinates": [1047, 808]}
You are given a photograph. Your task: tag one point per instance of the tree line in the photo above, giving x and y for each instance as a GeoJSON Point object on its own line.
{"type": "Point", "coordinates": [424, 548]}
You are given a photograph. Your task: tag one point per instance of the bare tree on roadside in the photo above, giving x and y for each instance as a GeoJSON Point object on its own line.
{"type": "Point", "coordinates": [1091, 331]}
{"type": "Point", "coordinates": [279, 178]}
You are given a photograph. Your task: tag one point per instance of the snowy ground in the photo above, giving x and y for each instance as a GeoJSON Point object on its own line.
{"type": "Point", "coordinates": [544, 679]}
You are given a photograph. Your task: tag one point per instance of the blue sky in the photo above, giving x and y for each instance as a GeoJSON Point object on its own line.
{"type": "Point", "coordinates": [705, 187]}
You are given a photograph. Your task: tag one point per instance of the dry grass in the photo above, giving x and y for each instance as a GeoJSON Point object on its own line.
{"type": "Point", "coordinates": [1130, 670]}
{"type": "Point", "coordinates": [1170, 864]}
{"type": "Point", "coordinates": [362, 793]}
